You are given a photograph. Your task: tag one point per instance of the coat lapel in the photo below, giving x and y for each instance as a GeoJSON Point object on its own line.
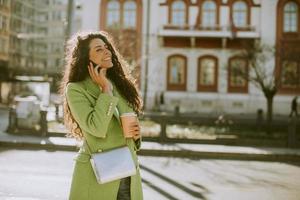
{"type": "Point", "coordinates": [95, 91]}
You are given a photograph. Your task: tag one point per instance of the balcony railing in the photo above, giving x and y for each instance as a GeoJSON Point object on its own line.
{"type": "Point", "coordinates": [219, 31]}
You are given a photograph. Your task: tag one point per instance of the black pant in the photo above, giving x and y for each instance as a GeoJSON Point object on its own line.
{"type": "Point", "coordinates": [124, 189]}
{"type": "Point", "coordinates": [294, 111]}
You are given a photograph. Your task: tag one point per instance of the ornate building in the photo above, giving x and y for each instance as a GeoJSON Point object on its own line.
{"type": "Point", "coordinates": [189, 49]}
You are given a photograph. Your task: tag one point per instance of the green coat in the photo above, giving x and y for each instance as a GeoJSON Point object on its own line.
{"type": "Point", "coordinates": [97, 117]}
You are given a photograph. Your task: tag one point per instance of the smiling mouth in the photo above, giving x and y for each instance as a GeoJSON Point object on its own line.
{"type": "Point", "coordinates": [107, 59]}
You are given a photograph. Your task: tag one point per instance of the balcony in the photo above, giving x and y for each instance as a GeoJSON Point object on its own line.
{"type": "Point", "coordinates": [208, 31]}
{"type": "Point", "coordinates": [207, 36]}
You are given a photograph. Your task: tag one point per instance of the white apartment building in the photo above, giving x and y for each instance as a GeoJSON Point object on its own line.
{"type": "Point", "coordinates": [36, 34]}
{"type": "Point", "coordinates": [189, 48]}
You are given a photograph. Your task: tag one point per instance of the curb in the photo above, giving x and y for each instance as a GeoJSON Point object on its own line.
{"type": "Point", "coordinates": [220, 155]}
{"type": "Point", "coordinates": [47, 146]}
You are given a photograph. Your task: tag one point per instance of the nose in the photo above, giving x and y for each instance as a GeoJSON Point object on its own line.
{"type": "Point", "coordinates": [107, 51]}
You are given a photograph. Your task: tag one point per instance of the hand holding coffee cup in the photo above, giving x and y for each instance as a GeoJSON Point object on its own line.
{"type": "Point", "coordinates": [130, 125]}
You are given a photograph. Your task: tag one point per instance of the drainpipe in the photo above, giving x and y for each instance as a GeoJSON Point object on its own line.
{"type": "Point", "coordinates": [147, 54]}
{"type": "Point", "coordinates": [69, 18]}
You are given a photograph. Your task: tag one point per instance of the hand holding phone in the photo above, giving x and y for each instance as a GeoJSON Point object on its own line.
{"type": "Point", "coordinates": [96, 66]}
{"type": "Point", "coordinates": [98, 76]}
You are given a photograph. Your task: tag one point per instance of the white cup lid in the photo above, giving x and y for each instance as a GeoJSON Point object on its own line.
{"type": "Point", "coordinates": [128, 114]}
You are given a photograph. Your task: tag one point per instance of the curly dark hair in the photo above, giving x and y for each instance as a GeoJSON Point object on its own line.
{"type": "Point", "coordinates": [77, 57]}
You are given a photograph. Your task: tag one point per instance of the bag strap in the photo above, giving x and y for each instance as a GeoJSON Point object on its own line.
{"type": "Point", "coordinates": [89, 149]}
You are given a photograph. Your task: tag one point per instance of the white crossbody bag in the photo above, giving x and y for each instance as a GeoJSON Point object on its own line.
{"type": "Point", "coordinates": [112, 164]}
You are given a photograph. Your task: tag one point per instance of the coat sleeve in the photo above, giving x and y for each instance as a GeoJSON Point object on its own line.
{"type": "Point", "coordinates": [124, 107]}
{"type": "Point", "coordinates": [92, 119]}
{"type": "Point", "coordinates": [137, 143]}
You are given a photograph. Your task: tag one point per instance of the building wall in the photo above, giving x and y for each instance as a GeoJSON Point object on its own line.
{"type": "Point", "coordinates": [4, 29]}
{"type": "Point", "coordinates": [263, 19]}
{"type": "Point", "coordinates": [90, 14]}
{"type": "Point", "coordinates": [56, 13]}
{"type": "Point", "coordinates": [37, 32]}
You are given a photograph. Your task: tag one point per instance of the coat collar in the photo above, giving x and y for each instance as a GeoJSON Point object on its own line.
{"type": "Point", "coordinates": [93, 89]}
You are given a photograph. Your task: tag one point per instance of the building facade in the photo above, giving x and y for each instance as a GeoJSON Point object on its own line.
{"type": "Point", "coordinates": [31, 36]}
{"type": "Point", "coordinates": [188, 49]}
{"type": "Point", "coordinates": [4, 29]}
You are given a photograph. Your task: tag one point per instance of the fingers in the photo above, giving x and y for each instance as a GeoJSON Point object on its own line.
{"type": "Point", "coordinates": [134, 127]}
{"type": "Point", "coordinates": [137, 135]}
{"type": "Point", "coordinates": [89, 68]}
{"type": "Point", "coordinates": [91, 71]}
{"type": "Point", "coordinates": [96, 74]}
{"type": "Point", "coordinates": [135, 131]}
{"type": "Point", "coordinates": [133, 134]}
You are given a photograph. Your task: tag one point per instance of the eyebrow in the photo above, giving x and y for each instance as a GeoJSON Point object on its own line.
{"type": "Point", "coordinates": [98, 46]}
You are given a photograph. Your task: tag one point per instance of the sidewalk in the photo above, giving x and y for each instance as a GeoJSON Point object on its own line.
{"type": "Point", "coordinates": [156, 149]}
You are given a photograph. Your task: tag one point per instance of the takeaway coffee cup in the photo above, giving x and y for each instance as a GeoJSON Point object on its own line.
{"type": "Point", "coordinates": [127, 119]}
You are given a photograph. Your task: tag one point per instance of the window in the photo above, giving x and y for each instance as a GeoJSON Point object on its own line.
{"type": "Point", "coordinates": [129, 14]}
{"type": "Point", "coordinates": [3, 23]}
{"type": "Point", "coordinates": [240, 14]}
{"type": "Point", "coordinates": [209, 14]}
{"type": "Point", "coordinates": [3, 46]}
{"type": "Point", "coordinates": [290, 74]}
{"type": "Point", "coordinates": [178, 13]}
{"type": "Point", "coordinates": [176, 78]}
{"type": "Point", "coordinates": [290, 17]}
{"type": "Point", "coordinates": [113, 13]}
{"type": "Point", "coordinates": [57, 62]}
{"type": "Point", "coordinates": [237, 75]}
{"type": "Point", "coordinates": [207, 73]}
{"type": "Point", "coordinates": [56, 15]}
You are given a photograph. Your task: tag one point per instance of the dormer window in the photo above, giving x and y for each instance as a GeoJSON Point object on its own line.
{"type": "Point", "coordinates": [129, 14]}
{"type": "Point", "coordinates": [113, 14]}
{"type": "Point", "coordinates": [240, 14]}
{"type": "Point", "coordinates": [209, 14]}
{"type": "Point", "coordinates": [290, 17]}
{"type": "Point", "coordinates": [178, 13]}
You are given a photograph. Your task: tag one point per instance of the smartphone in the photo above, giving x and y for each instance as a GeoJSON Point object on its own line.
{"type": "Point", "coordinates": [95, 65]}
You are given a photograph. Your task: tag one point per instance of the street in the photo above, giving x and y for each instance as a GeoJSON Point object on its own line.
{"type": "Point", "coordinates": [40, 174]}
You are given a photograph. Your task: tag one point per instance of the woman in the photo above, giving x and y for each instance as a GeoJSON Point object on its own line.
{"type": "Point", "coordinates": [94, 98]}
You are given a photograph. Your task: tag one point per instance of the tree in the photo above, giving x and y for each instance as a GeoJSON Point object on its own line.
{"type": "Point", "coordinates": [262, 73]}
{"type": "Point", "coordinates": [126, 42]}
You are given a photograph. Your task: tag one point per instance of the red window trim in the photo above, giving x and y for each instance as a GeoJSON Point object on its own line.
{"type": "Point", "coordinates": [206, 88]}
{"type": "Point", "coordinates": [169, 4]}
{"type": "Point", "coordinates": [288, 89]}
{"type": "Point", "coordinates": [176, 87]}
{"type": "Point", "coordinates": [103, 14]}
{"type": "Point", "coordinates": [282, 18]}
{"type": "Point", "coordinates": [199, 18]}
{"type": "Point", "coordinates": [249, 5]}
{"type": "Point", "coordinates": [236, 89]}
{"type": "Point", "coordinates": [282, 40]}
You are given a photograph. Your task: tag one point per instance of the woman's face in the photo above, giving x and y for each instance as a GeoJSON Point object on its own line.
{"type": "Point", "coordinates": [100, 54]}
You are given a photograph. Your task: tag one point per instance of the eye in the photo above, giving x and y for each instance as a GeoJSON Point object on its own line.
{"type": "Point", "coordinates": [98, 50]}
